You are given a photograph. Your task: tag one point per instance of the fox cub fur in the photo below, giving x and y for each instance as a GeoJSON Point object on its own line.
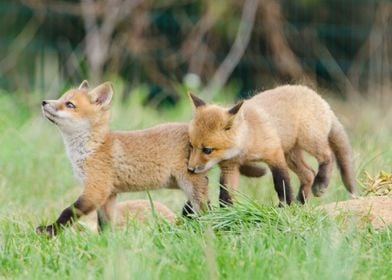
{"type": "Point", "coordinates": [107, 163]}
{"type": "Point", "coordinates": [110, 162]}
{"type": "Point", "coordinates": [275, 126]}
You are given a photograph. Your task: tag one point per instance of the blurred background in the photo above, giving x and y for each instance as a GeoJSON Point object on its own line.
{"type": "Point", "coordinates": [344, 46]}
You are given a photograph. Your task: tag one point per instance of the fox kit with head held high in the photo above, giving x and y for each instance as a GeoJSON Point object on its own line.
{"type": "Point", "coordinates": [107, 163]}
{"type": "Point", "coordinates": [275, 126]}
{"type": "Point", "coordinates": [110, 162]}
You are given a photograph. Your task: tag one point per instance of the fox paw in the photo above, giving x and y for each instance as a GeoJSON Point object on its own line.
{"type": "Point", "coordinates": [319, 189]}
{"type": "Point", "coordinates": [49, 231]}
{"type": "Point", "coordinates": [188, 211]}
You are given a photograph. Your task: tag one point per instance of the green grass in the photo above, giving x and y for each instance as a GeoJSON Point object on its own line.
{"type": "Point", "coordinates": [253, 240]}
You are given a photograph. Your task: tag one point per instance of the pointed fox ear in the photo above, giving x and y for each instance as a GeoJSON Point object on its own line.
{"type": "Point", "coordinates": [234, 110]}
{"type": "Point", "coordinates": [233, 114]}
{"type": "Point", "coordinates": [197, 102]}
{"type": "Point", "coordinates": [102, 94]}
{"type": "Point", "coordinates": [84, 85]}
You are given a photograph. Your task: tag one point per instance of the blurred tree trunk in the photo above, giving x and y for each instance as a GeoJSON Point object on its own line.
{"type": "Point", "coordinates": [284, 58]}
{"type": "Point", "coordinates": [237, 50]}
{"type": "Point", "coordinates": [100, 23]}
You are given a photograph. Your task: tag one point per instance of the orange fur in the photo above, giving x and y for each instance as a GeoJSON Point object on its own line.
{"type": "Point", "coordinates": [275, 126]}
{"type": "Point", "coordinates": [111, 162]}
{"type": "Point", "coordinates": [107, 163]}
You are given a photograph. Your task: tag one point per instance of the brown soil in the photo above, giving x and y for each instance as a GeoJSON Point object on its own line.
{"type": "Point", "coordinates": [376, 210]}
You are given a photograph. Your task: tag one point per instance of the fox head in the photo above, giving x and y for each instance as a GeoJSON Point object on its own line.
{"type": "Point", "coordinates": [81, 109]}
{"type": "Point", "coordinates": [213, 134]}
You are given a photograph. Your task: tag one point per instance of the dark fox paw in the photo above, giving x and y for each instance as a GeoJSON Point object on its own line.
{"type": "Point", "coordinates": [188, 211]}
{"type": "Point", "coordinates": [49, 231]}
{"type": "Point", "coordinates": [320, 185]}
{"type": "Point", "coordinates": [318, 189]}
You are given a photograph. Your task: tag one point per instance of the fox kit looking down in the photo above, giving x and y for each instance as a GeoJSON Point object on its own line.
{"type": "Point", "coordinates": [275, 126]}
{"type": "Point", "coordinates": [110, 162]}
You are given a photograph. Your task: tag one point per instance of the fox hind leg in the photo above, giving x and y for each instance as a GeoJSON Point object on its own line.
{"type": "Point", "coordinates": [323, 176]}
{"type": "Point", "coordinates": [305, 174]}
{"type": "Point", "coordinates": [276, 161]}
{"type": "Point", "coordinates": [105, 213]}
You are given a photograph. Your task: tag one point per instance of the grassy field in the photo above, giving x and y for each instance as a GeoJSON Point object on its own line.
{"type": "Point", "coordinates": [253, 240]}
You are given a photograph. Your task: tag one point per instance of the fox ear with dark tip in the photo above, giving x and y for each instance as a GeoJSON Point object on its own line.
{"type": "Point", "coordinates": [234, 110]}
{"type": "Point", "coordinates": [84, 85]}
{"type": "Point", "coordinates": [197, 102]}
{"type": "Point", "coordinates": [233, 115]}
{"type": "Point", "coordinates": [102, 95]}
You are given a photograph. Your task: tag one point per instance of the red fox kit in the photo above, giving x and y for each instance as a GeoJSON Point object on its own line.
{"type": "Point", "coordinates": [107, 163]}
{"type": "Point", "coordinates": [275, 126]}
{"type": "Point", "coordinates": [110, 162]}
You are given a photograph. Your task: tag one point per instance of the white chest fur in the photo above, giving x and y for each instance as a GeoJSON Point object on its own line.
{"type": "Point", "coordinates": [77, 150]}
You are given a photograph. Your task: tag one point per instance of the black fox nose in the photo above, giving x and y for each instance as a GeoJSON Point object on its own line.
{"type": "Point", "coordinates": [44, 103]}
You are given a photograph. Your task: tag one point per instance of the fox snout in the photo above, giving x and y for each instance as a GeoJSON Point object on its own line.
{"type": "Point", "coordinates": [49, 111]}
{"type": "Point", "coordinates": [195, 165]}
{"type": "Point", "coordinates": [196, 169]}
{"type": "Point", "coordinates": [45, 104]}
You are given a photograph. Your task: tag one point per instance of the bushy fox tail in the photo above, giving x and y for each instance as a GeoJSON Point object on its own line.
{"type": "Point", "coordinates": [341, 147]}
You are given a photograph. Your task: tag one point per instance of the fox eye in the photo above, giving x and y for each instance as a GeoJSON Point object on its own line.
{"type": "Point", "coordinates": [70, 105]}
{"type": "Point", "coordinates": [207, 151]}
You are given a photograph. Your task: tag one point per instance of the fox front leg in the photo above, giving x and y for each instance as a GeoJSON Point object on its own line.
{"type": "Point", "coordinates": [228, 183]}
{"type": "Point", "coordinates": [189, 212]}
{"type": "Point", "coordinates": [196, 189]}
{"type": "Point", "coordinates": [91, 199]}
{"type": "Point", "coordinates": [67, 217]}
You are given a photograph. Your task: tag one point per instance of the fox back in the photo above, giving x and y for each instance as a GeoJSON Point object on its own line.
{"type": "Point", "coordinates": [274, 126]}
{"type": "Point", "coordinates": [278, 117]}
{"type": "Point", "coordinates": [130, 160]}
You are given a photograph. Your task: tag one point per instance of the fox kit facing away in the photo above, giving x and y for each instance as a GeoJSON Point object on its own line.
{"type": "Point", "coordinates": [275, 126]}
{"type": "Point", "coordinates": [107, 163]}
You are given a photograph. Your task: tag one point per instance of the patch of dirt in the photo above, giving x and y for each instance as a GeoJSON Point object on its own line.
{"type": "Point", "coordinates": [375, 210]}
